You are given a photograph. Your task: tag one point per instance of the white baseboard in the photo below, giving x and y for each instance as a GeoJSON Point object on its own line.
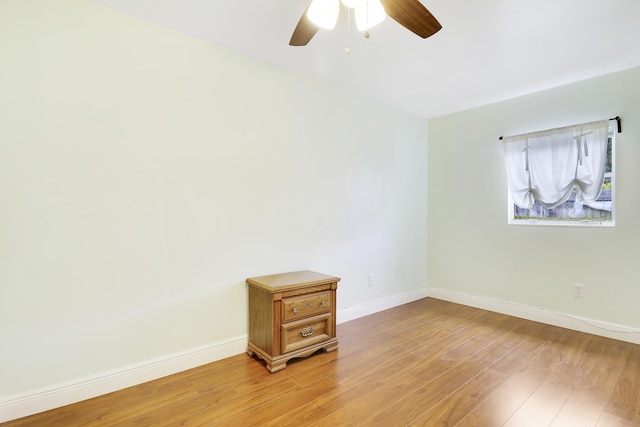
{"type": "Point", "coordinates": [564, 320]}
{"type": "Point", "coordinates": [380, 304]}
{"type": "Point", "coordinates": [30, 403]}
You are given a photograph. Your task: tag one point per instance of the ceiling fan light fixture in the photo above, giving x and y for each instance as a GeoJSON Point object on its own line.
{"type": "Point", "coordinates": [324, 13]}
{"type": "Point", "coordinates": [411, 14]}
{"type": "Point", "coordinates": [352, 4]}
{"type": "Point", "coordinates": [369, 15]}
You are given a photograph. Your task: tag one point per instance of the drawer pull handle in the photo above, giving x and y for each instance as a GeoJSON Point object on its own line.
{"type": "Point", "coordinates": [323, 303]}
{"type": "Point", "coordinates": [305, 332]}
{"type": "Point", "coordinates": [295, 310]}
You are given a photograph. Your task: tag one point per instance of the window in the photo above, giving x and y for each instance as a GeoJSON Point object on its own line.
{"type": "Point", "coordinates": [578, 188]}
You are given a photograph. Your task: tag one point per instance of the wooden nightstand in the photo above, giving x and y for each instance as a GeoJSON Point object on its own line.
{"type": "Point", "coordinates": [291, 315]}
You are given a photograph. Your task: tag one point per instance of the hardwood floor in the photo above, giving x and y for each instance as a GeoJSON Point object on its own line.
{"type": "Point", "coordinates": [427, 363]}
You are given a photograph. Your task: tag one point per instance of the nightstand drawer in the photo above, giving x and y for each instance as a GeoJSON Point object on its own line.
{"type": "Point", "coordinates": [301, 333]}
{"type": "Point", "coordinates": [294, 308]}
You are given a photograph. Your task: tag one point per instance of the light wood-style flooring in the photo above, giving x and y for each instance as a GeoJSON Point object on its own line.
{"type": "Point", "coordinates": [427, 363]}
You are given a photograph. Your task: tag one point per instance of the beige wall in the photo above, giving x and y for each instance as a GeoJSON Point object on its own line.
{"type": "Point", "coordinates": [473, 251]}
{"type": "Point", "coordinates": [145, 174]}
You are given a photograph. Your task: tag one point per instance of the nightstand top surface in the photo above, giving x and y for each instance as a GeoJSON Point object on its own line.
{"type": "Point", "coordinates": [293, 279]}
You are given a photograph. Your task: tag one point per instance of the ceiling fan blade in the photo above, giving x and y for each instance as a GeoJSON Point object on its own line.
{"type": "Point", "coordinates": [305, 30]}
{"type": "Point", "coordinates": [412, 15]}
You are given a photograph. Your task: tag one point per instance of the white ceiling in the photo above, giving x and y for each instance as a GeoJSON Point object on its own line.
{"type": "Point", "coordinates": [487, 50]}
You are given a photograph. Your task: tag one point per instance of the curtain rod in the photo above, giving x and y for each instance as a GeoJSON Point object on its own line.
{"type": "Point", "coordinates": [619, 120]}
{"type": "Point", "coordinates": [616, 118]}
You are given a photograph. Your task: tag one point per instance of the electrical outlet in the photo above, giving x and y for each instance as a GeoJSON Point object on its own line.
{"type": "Point", "coordinates": [578, 290]}
{"type": "Point", "coordinates": [370, 279]}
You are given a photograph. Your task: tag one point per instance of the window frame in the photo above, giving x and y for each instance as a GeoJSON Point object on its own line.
{"type": "Point", "coordinates": [511, 220]}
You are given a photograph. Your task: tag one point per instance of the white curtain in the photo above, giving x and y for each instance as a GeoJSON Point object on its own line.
{"type": "Point", "coordinates": [545, 166]}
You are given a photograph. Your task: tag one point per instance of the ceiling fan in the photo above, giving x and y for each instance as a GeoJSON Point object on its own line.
{"type": "Point", "coordinates": [411, 14]}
